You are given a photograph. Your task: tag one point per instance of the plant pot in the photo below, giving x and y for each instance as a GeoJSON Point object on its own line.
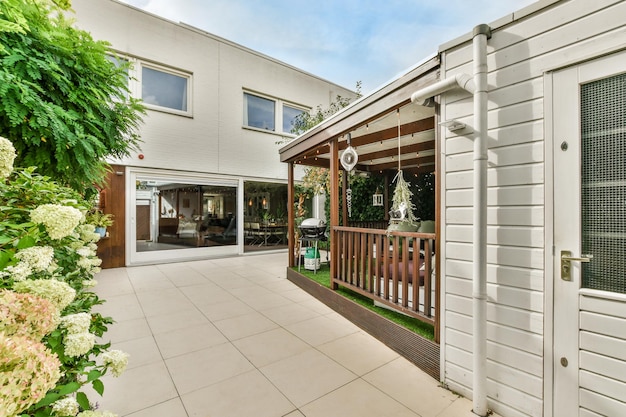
{"type": "Point", "coordinates": [403, 227]}
{"type": "Point", "coordinates": [102, 231]}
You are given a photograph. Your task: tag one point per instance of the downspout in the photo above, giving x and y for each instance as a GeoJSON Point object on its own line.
{"type": "Point", "coordinates": [481, 33]}
{"type": "Point", "coordinates": [478, 87]}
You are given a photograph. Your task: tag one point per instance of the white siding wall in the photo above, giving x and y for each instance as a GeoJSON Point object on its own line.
{"type": "Point", "coordinates": [213, 139]}
{"type": "Point", "coordinates": [519, 53]}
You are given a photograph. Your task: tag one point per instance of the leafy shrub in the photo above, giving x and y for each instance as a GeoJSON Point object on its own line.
{"type": "Point", "coordinates": [47, 265]}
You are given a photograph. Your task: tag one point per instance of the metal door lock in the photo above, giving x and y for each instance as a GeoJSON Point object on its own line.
{"type": "Point", "coordinates": [566, 263]}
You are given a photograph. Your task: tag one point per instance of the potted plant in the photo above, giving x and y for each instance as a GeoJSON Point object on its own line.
{"type": "Point", "coordinates": [100, 220]}
{"type": "Point", "coordinates": [401, 217]}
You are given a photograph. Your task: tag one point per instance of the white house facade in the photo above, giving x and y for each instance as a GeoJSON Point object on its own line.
{"type": "Point", "coordinates": [208, 164]}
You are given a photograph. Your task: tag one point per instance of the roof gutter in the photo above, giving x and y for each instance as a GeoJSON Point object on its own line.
{"type": "Point", "coordinates": [476, 85]}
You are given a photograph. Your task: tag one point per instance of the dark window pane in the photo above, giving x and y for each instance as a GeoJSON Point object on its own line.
{"type": "Point", "coordinates": [289, 116]}
{"type": "Point", "coordinates": [259, 112]}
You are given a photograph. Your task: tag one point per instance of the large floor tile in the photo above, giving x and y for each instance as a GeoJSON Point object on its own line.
{"type": "Point", "coordinates": [205, 367]}
{"type": "Point", "coordinates": [121, 308]}
{"type": "Point", "coordinates": [171, 408]}
{"type": "Point", "coordinates": [157, 303]}
{"type": "Point", "coordinates": [182, 275]}
{"type": "Point", "coordinates": [271, 346]}
{"type": "Point", "coordinates": [242, 326]}
{"type": "Point", "coordinates": [225, 310]}
{"type": "Point", "coordinates": [412, 387]}
{"type": "Point", "coordinates": [249, 394]}
{"type": "Point", "coordinates": [320, 330]}
{"type": "Point", "coordinates": [121, 331]}
{"type": "Point", "coordinates": [136, 389]}
{"type": "Point", "coordinates": [110, 285]}
{"type": "Point", "coordinates": [359, 352]}
{"type": "Point", "coordinates": [148, 278]}
{"type": "Point", "coordinates": [188, 339]}
{"type": "Point", "coordinates": [164, 323]}
{"type": "Point", "coordinates": [207, 294]}
{"type": "Point", "coordinates": [141, 351]}
{"type": "Point", "coordinates": [289, 314]}
{"type": "Point", "coordinates": [307, 376]}
{"type": "Point", "coordinates": [356, 399]}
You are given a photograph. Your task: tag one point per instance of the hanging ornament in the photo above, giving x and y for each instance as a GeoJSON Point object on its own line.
{"type": "Point", "coordinates": [401, 215]}
{"type": "Point", "coordinates": [349, 157]}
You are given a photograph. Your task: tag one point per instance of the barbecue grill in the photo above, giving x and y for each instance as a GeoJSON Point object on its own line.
{"type": "Point", "coordinates": [311, 232]}
{"type": "Point", "coordinates": [313, 229]}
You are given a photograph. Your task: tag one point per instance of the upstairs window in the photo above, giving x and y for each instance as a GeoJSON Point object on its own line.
{"type": "Point", "coordinates": [259, 112]}
{"type": "Point", "coordinates": [289, 116]}
{"type": "Point", "coordinates": [269, 114]}
{"type": "Point", "coordinates": [165, 89]}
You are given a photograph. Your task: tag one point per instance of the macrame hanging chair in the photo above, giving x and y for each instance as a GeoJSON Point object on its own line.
{"type": "Point", "coordinates": [401, 217]}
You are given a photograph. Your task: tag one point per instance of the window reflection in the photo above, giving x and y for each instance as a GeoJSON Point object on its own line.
{"type": "Point", "coordinates": [177, 216]}
{"type": "Point", "coordinates": [163, 89]}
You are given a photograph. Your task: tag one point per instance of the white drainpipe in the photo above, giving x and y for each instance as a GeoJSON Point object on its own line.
{"type": "Point", "coordinates": [478, 87]}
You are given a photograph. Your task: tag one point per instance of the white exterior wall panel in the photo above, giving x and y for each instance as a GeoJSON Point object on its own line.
{"type": "Point", "coordinates": [519, 54]}
{"type": "Point", "coordinates": [212, 139]}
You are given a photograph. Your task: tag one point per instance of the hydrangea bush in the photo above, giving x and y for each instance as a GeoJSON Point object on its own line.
{"type": "Point", "coordinates": [49, 333]}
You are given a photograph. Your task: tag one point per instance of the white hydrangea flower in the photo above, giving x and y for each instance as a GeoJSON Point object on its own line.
{"type": "Point", "coordinates": [39, 258]}
{"type": "Point", "coordinates": [60, 221]}
{"type": "Point", "coordinates": [19, 271]}
{"type": "Point", "coordinates": [58, 292]}
{"type": "Point", "coordinates": [76, 323]}
{"type": "Point", "coordinates": [89, 283]}
{"type": "Point", "coordinates": [65, 407]}
{"type": "Point", "coordinates": [77, 344]}
{"type": "Point", "coordinates": [116, 360]}
{"type": "Point", "coordinates": [7, 157]}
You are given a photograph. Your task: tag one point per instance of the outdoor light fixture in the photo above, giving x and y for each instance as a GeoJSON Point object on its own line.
{"type": "Point", "coordinates": [377, 198]}
{"type": "Point", "coordinates": [453, 125]}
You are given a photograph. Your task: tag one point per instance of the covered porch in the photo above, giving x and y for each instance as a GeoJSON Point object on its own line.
{"type": "Point", "coordinates": [397, 269]}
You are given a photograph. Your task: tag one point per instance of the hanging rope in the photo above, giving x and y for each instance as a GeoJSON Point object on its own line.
{"type": "Point", "coordinates": [399, 166]}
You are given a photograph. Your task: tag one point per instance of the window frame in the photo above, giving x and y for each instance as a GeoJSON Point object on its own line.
{"type": "Point", "coordinates": [279, 112]}
{"type": "Point", "coordinates": [165, 70]}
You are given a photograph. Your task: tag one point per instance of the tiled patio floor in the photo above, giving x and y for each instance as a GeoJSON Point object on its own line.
{"type": "Point", "coordinates": [233, 337]}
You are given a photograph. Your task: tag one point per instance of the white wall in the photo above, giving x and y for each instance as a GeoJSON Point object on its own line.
{"type": "Point", "coordinates": [519, 54]}
{"type": "Point", "coordinates": [213, 139]}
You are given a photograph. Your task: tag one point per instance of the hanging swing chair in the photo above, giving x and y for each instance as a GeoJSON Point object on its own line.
{"type": "Point", "coordinates": [401, 217]}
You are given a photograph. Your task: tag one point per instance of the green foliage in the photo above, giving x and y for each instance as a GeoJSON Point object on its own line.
{"type": "Point", "coordinates": [423, 188]}
{"type": "Point", "coordinates": [64, 105]}
{"type": "Point", "coordinates": [74, 262]}
{"type": "Point", "coordinates": [99, 219]}
{"type": "Point", "coordinates": [307, 120]}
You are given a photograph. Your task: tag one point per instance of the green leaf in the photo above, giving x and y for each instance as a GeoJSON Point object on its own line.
{"type": "Point", "coordinates": [48, 399]}
{"type": "Point", "coordinates": [82, 400]}
{"type": "Point", "coordinates": [69, 388]}
{"type": "Point", "coordinates": [94, 374]}
{"type": "Point", "coordinates": [26, 242]}
{"type": "Point", "coordinates": [98, 386]}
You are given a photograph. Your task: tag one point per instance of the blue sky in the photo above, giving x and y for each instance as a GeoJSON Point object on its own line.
{"type": "Point", "coordinates": [343, 41]}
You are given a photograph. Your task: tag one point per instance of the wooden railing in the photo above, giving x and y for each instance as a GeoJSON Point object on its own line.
{"type": "Point", "coordinates": [396, 269]}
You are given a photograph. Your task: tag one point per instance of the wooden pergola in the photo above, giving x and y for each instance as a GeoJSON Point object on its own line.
{"type": "Point", "coordinates": [388, 132]}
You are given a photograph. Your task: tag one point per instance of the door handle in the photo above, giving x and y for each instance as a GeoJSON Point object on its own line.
{"type": "Point", "coordinates": [566, 263]}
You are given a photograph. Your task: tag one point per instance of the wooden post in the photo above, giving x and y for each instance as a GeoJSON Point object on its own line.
{"type": "Point", "coordinates": [334, 210]}
{"type": "Point", "coordinates": [291, 218]}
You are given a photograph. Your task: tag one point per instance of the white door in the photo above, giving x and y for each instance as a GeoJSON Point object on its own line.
{"type": "Point", "coordinates": [589, 121]}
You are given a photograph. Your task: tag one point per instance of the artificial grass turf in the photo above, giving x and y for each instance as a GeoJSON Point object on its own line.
{"type": "Point", "coordinates": [322, 277]}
